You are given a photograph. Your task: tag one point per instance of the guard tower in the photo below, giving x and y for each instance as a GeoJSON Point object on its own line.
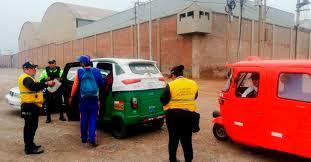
{"type": "Point", "coordinates": [194, 19]}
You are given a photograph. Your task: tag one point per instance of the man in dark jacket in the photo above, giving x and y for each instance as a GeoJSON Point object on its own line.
{"type": "Point", "coordinates": [55, 99]}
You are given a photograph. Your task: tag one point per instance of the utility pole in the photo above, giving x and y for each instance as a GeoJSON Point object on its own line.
{"type": "Point", "coordinates": [231, 4]}
{"type": "Point", "coordinates": [297, 28]}
{"type": "Point", "coordinates": [135, 19]}
{"type": "Point", "coordinates": [137, 22]}
{"type": "Point", "coordinates": [264, 25]}
{"type": "Point", "coordinates": [298, 10]}
{"type": "Point", "coordinates": [260, 25]}
{"type": "Point", "coordinates": [240, 27]}
{"type": "Point", "coordinates": [265, 13]}
{"type": "Point", "coordinates": [150, 32]}
{"type": "Point", "coordinates": [138, 31]}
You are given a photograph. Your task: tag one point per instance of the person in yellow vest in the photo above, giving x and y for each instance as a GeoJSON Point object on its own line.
{"type": "Point", "coordinates": [179, 100]}
{"type": "Point", "coordinates": [31, 101]}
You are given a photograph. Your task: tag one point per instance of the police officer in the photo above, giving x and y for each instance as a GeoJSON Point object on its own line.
{"type": "Point", "coordinates": [31, 100]}
{"type": "Point", "coordinates": [179, 100]}
{"type": "Point", "coordinates": [55, 99]}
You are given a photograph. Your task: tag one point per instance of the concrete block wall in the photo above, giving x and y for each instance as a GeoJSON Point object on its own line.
{"type": "Point", "coordinates": [59, 48]}
{"type": "Point", "coordinates": [68, 54]}
{"type": "Point", "coordinates": [77, 47]}
{"type": "Point", "coordinates": [5, 61]}
{"type": "Point", "coordinates": [122, 43]}
{"type": "Point", "coordinates": [103, 45]}
{"type": "Point", "coordinates": [220, 47]}
{"type": "Point", "coordinates": [14, 60]}
{"type": "Point", "coordinates": [204, 55]}
{"type": "Point", "coordinates": [40, 55]}
{"type": "Point", "coordinates": [89, 46]}
{"type": "Point", "coordinates": [45, 51]}
{"type": "Point", "coordinates": [174, 49]}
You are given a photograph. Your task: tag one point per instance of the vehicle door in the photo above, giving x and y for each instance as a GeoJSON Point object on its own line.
{"type": "Point", "coordinates": [67, 82]}
{"type": "Point", "coordinates": [242, 115]}
{"type": "Point", "coordinates": [289, 122]}
{"type": "Point", "coordinates": [106, 97]}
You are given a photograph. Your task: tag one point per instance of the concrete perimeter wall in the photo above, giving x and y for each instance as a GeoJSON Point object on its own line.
{"type": "Point", "coordinates": [204, 56]}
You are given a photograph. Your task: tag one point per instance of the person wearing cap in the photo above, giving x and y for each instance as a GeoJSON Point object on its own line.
{"type": "Point", "coordinates": [31, 101]}
{"type": "Point", "coordinates": [55, 99]}
{"type": "Point", "coordinates": [89, 106]}
{"type": "Point", "coordinates": [252, 90]}
{"type": "Point", "coordinates": [178, 99]}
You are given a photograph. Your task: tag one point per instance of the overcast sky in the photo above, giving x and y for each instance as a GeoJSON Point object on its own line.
{"type": "Point", "coordinates": [13, 13]}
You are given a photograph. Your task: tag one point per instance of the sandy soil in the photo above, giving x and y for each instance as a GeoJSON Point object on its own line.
{"type": "Point", "coordinates": [62, 143]}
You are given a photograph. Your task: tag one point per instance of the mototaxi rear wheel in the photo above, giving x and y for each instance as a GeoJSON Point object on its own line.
{"type": "Point", "coordinates": [220, 133]}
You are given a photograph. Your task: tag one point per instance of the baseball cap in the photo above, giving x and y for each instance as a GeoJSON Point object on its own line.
{"type": "Point", "coordinates": [29, 64]}
{"type": "Point", "coordinates": [85, 59]}
{"type": "Point", "coordinates": [52, 61]}
{"type": "Point", "coordinates": [177, 70]}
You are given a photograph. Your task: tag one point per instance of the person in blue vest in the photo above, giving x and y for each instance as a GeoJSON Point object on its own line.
{"type": "Point", "coordinates": [88, 84]}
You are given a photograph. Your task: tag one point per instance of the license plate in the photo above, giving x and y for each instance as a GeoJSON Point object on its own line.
{"type": "Point", "coordinates": [158, 117]}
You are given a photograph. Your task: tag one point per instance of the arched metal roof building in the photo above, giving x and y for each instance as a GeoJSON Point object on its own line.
{"type": "Point", "coordinates": [28, 36]}
{"type": "Point", "coordinates": [59, 24]}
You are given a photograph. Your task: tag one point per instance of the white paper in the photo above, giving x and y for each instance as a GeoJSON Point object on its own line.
{"type": "Point", "coordinates": [55, 87]}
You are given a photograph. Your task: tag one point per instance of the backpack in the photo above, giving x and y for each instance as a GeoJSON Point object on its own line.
{"type": "Point", "coordinates": [88, 85]}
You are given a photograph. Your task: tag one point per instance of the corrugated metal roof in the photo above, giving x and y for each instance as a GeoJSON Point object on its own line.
{"type": "Point", "coordinates": [89, 13]}
{"type": "Point", "coordinates": [82, 12]}
{"type": "Point", "coordinates": [306, 23]}
{"type": "Point", "coordinates": [164, 8]}
{"type": "Point", "coordinates": [36, 25]}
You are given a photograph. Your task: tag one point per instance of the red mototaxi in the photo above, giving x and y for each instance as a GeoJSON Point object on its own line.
{"type": "Point", "coordinates": [278, 117]}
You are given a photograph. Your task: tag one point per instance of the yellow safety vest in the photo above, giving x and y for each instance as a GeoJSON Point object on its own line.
{"type": "Point", "coordinates": [183, 93]}
{"type": "Point", "coordinates": [28, 96]}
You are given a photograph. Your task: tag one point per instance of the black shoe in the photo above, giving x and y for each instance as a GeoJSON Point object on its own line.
{"type": "Point", "coordinates": [48, 121]}
{"type": "Point", "coordinates": [93, 144]}
{"type": "Point", "coordinates": [34, 151]}
{"type": "Point", "coordinates": [83, 141]}
{"type": "Point", "coordinates": [62, 118]}
{"type": "Point", "coordinates": [36, 146]}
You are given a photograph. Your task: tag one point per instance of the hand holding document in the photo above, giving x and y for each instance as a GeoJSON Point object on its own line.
{"type": "Point", "coordinates": [55, 87]}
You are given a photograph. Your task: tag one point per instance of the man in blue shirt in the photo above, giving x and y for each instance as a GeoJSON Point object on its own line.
{"type": "Point", "coordinates": [89, 105]}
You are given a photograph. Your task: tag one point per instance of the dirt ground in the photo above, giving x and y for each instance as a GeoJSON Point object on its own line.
{"type": "Point", "coordinates": [61, 140]}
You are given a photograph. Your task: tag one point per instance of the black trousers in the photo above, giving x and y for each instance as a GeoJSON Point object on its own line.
{"type": "Point", "coordinates": [54, 101]}
{"type": "Point", "coordinates": [179, 125]}
{"type": "Point", "coordinates": [30, 113]}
